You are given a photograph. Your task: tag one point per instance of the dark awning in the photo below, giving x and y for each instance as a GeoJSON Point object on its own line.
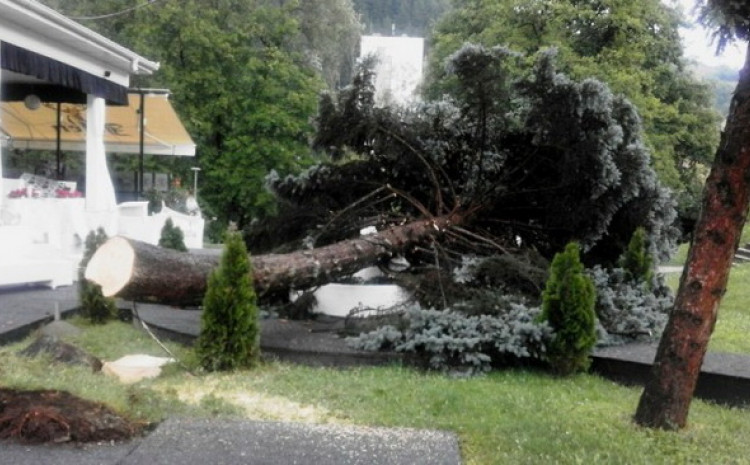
{"type": "Point", "coordinates": [59, 78]}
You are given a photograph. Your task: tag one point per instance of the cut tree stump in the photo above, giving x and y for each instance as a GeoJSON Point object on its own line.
{"type": "Point", "coordinates": [139, 271]}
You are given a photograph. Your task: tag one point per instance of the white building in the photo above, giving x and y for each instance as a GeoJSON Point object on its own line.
{"type": "Point", "coordinates": [399, 69]}
{"type": "Point", "coordinates": [46, 57]}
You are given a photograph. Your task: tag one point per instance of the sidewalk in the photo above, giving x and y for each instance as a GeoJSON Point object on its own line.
{"type": "Point", "coordinates": [25, 308]}
{"type": "Point", "coordinates": [208, 442]}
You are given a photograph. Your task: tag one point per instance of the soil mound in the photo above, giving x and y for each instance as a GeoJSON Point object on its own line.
{"type": "Point", "coordinates": [50, 416]}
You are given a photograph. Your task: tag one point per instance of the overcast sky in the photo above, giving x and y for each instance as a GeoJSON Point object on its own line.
{"type": "Point", "coordinates": [697, 43]}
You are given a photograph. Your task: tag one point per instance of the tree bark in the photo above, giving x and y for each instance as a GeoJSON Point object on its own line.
{"type": "Point", "coordinates": [138, 271]}
{"type": "Point", "coordinates": [665, 401]}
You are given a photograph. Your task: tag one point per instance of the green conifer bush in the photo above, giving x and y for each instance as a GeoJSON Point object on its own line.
{"type": "Point", "coordinates": [568, 306]}
{"type": "Point", "coordinates": [230, 333]}
{"type": "Point", "coordinates": [93, 305]}
{"type": "Point", "coordinates": [636, 260]}
{"type": "Point", "coordinates": [172, 237]}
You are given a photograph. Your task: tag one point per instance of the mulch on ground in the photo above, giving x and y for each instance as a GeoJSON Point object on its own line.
{"type": "Point", "coordinates": [51, 416]}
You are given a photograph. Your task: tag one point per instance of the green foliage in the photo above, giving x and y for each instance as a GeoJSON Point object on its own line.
{"type": "Point", "coordinates": [244, 91]}
{"type": "Point", "coordinates": [93, 305]}
{"type": "Point", "coordinates": [586, 172]}
{"type": "Point", "coordinates": [453, 342]}
{"type": "Point", "coordinates": [637, 259]}
{"type": "Point", "coordinates": [330, 35]}
{"type": "Point", "coordinates": [410, 17]}
{"type": "Point", "coordinates": [230, 331]}
{"type": "Point", "coordinates": [244, 77]}
{"type": "Point", "coordinates": [730, 20]}
{"type": "Point", "coordinates": [568, 307]}
{"type": "Point", "coordinates": [634, 47]}
{"type": "Point", "coordinates": [172, 237]}
{"type": "Point", "coordinates": [629, 310]}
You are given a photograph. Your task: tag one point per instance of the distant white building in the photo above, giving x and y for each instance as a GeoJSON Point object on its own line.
{"type": "Point", "coordinates": [400, 67]}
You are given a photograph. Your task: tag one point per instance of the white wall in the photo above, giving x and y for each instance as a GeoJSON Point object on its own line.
{"type": "Point", "coordinates": [400, 67]}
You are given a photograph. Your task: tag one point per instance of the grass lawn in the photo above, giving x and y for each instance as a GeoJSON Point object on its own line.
{"type": "Point", "coordinates": [732, 332]}
{"type": "Point", "coordinates": [507, 417]}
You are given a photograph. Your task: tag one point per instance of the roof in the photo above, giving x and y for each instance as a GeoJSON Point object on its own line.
{"type": "Point", "coordinates": [41, 47]}
{"type": "Point", "coordinates": [41, 29]}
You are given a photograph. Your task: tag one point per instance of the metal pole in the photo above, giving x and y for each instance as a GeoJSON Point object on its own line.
{"type": "Point", "coordinates": [59, 151]}
{"type": "Point", "coordinates": [140, 158]}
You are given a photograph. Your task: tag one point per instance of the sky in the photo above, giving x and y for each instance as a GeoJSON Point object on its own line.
{"type": "Point", "coordinates": [697, 43]}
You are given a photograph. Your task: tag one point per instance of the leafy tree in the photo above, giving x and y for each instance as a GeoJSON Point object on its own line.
{"type": "Point", "coordinates": [230, 332]}
{"type": "Point", "coordinates": [330, 33]}
{"type": "Point", "coordinates": [568, 306]}
{"type": "Point", "coordinates": [246, 98]}
{"type": "Point", "coordinates": [634, 47]}
{"type": "Point", "coordinates": [411, 17]}
{"type": "Point", "coordinates": [172, 237]}
{"type": "Point", "coordinates": [242, 81]}
{"type": "Point", "coordinates": [93, 305]}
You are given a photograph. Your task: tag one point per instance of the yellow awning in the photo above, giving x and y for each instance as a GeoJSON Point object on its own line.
{"type": "Point", "coordinates": [164, 134]}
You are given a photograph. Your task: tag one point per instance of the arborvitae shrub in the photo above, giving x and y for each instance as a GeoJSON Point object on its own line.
{"type": "Point", "coordinates": [93, 305]}
{"type": "Point", "coordinates": [230, 334]}
{"type": "Point", "coordinates": [172, 237]}
{"type": "Point", "coordinates": [568, 306]}
{"type": "Point", "coordinates": [637, 262]}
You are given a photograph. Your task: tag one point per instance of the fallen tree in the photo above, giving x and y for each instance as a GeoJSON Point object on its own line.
{"type": "Point", "coordinates": [546, 161]}
{"type": "Point", "coordinates": [139, 271]}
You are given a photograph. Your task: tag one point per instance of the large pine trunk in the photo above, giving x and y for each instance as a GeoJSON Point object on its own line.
{"type": "Point", "coordinates": [138, 271]}
{"type": "Point", "coordinates": [665, 401]}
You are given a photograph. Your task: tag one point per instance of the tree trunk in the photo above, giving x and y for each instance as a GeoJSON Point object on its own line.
{"type": "Point", "coordinates": [138, 271]}
{"type": "Point", "coordinates": [666, 398]}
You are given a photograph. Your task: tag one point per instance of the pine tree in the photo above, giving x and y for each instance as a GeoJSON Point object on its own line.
{"type": "Point", "coordinates": [172, 237]}
{"type": "Point", "coordinates": [230, 333]}
{"type": "Point", "coordinates": [568, 305]}
{"type": "Point", "coordinates": [93, 305]}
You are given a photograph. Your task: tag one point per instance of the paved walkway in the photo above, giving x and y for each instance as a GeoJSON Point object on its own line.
{"type": "Point", "coordinates": [187, 441]}
{"type": "Point", "coordinates": [25, 308]}
{"type": "Point", "coordinates": [207, 442]}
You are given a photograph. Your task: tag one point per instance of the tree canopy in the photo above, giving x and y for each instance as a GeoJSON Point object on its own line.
{"type": "Point", "coordinates": [410, 17]}
{"type": "Point", "coordinates": [541, 159]}
{"type": "Point", "coordinates": [632, 46]}
{"type": "Point", "coordinates": [244, 76]}
{"type": "Point", "coordinates": [729, 19]}
{"type": "Point", "coordinates": [242, 92]}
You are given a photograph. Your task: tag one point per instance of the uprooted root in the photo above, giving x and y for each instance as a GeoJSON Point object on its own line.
{"type": "Point", "coordinates": [57, 416]}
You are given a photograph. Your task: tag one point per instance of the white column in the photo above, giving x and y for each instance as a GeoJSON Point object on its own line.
{"type": "Point", "coordinates": [101, 206]}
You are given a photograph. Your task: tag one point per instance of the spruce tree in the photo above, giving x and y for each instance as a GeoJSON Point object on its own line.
{"type": "Point", "coordinates": [568, 305]}
{"type": "Point", "coordinates": [230, 333]}
{"type": "Point", "coordinates": [172, 237]}
{"type": "Point", "coordinates": [93, 305]}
